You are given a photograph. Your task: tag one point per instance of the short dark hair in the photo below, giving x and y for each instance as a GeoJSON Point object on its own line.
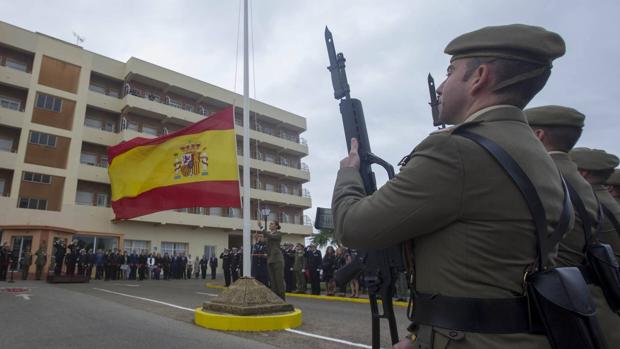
{"type": "Point", "coordinates": [520, 93]}
{"type": "Point", "coordinates": [561, 138]}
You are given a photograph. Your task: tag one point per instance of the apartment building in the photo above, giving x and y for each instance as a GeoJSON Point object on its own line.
{"type": "Point", "coordinates": [61, 107]}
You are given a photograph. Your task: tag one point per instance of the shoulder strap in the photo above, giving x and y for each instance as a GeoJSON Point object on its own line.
{"type": "Point", "coordinates": [586, 220]}
{"type": "Point", "coordinates": [611, 217]}
{"type": "Point", "coordinates": [546, 242]}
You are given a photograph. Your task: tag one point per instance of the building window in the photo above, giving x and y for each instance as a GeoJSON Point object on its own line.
{"type": "Point", "coordinates": [103, 161]}
{"type": "Point", "coordinates": [285, 217]}
{"type": "Point", "coordinates": [284, 188]}
{"type": "Point", "coordinates": [109, 126]}
{"type": "Point", "coordinates": [88, 159]}
{"type": "Point", "coordinates": [37, 178]}
{"type": "Point", "coordinates": [234, 212]}
{"type": "Point", "coordinates": [209, 251]}
{"type": "Point", "coordinates": [136, 245]}
{"type": "Point", "coordinates": [173, 247]}
{"type": "Point", "coordinates": [134, 126]}
{"type": "Point", "coordinates": [102, 200]}
{"type": "Point", "coordinates": [96, 88]}
{"type": "Point", "coordinates": [6, 144]}
{"type": "Point", "coordinates": [43, 139]}
{"type": "Point", "coordinates": [93, 122]}
{"type": "Point", "coordinates": [150, 130]}
{"type": "Point", "coordinates": [17, 65]}
{"type": "Point", "coordinates": [84, 198]}
{"type": "Point", "coordinates": [215, 211]}
{"type": "Point", "coordinates": [2, 186]}
{"type": "Point", "coordinates": [270, 158]}
{"type": "Point", "coordinates": [49, 102]}
{"type": "Point", "coordinates": [269, 187]}
{"type": "Point", "coordinates": [35, 204]}
{"type": "Point", "coordinates": [10, 103]}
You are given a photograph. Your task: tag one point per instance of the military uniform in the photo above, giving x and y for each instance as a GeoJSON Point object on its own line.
{"type": "Point", "coordinates": [472, 230]}
{"type": "Point", "coordinates": [40, 261]}
{"type": "Point", "coordinates": [314, 264]}
{"type": "Point", "coordinates": [572, 247]}
{"type": "Point", "coordinates": [226, 258]}
{"type": "Point", "coordinates": [4, 261]}
{"type": "Point", "coordinates": [275, 262]}
{"type": "Point", "coordinates": [289, 261]}
{"type": "Point", "coordinates": [25, 264]}
{"type": "Point", "coordinates": [259, 263]}
{"type": "Point", "coordinates": [299, 266]}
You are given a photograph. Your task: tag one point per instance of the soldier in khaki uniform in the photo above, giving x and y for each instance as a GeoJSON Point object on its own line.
{"type": "Point", "coordinates": [473, 234]}
{"type": "Point", "coordinates": [559, 128]}
{"type": "Point", "coordinates": [41, 260]}
{"type": "Point", "coordinates": [613, 184]}
{"type": "Point", "coordinates": [596, 166]}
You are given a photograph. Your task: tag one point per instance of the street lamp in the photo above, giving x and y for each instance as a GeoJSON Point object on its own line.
{"type": "Point", "coordinates": [265, 213]}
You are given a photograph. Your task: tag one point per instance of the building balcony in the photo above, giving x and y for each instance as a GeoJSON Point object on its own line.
{"type": "Point", "coordinates": [280, 198]}
{"type": "Point", "coordinates": [282, 143]}
{"type": "Point", "coordinates": [105, 102]}
{"type": "Point", "coordinates": [276, 170]}
{"type": "Point", "coordinates": [136, 99]}
{"type": "Point", "coordinates": [98, 136]}
{"type": "Point", "coordinates": [8, 160]}
{"type": "Point", "coordinates": [14, 77]}
{"type": "Point", "coordinates": [93, 173]}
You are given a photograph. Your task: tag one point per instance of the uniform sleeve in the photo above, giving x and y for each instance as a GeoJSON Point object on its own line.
{"type": "Point", "coordinates": [424, 197]}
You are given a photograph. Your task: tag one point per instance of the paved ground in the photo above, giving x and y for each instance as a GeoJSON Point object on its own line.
{"type": "Point", "coordinates": [158, 314]}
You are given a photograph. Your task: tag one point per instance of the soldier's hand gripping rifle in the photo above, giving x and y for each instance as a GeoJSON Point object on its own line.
{"type": "Point", "coordinates": [379, 267]}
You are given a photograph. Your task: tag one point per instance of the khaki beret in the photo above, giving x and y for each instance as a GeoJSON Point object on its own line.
{"type": "Point", "coordinates": [554, 115]}
{"type": "Point", "coordinates": [593, 159]}
{"type": "Point", "coordinates": [615, 178]}
{"type": "Point", "coordinates": [516, 41]}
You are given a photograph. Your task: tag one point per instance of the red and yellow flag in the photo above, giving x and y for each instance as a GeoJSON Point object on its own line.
{"type": "Point", "coordinates": [193, 167]}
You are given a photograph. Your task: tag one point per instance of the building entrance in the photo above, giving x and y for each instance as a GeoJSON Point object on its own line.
{"type": "Point", "coordinates": [20, 244]}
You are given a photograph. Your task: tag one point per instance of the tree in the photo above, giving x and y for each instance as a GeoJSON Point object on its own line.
{"type": "Point", "coordinates": [323, 238]}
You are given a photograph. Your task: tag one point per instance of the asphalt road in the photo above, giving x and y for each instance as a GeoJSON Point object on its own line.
{"type": "Point", "coordinates": [159, 314]}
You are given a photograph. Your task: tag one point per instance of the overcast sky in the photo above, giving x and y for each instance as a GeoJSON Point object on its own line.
{"type": "Point", "coordinates": [390, 48]}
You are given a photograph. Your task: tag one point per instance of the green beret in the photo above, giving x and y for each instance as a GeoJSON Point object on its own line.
{"type": "Point", "coordinates": [593, 159]}
{"type": "Point", "coordinates": [554, 115]}
{"type": "Point", "coordinates": [516, 41]}
{"type": "Point", "coordinates": [615, 178]}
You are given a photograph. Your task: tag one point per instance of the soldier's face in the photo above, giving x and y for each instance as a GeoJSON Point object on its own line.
{"type": "Point", "coordinates": [453, 94]}
{"type": "Point", "coordinates": [614, 190]}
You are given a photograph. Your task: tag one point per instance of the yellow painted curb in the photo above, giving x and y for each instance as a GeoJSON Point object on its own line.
{"type": "Point", "coordinates": [225, 322]}
{"type": "Point", "coordinates": [326, 298]}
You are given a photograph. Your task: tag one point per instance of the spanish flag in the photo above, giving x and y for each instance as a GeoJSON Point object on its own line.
{"type": "Point", "coordinates": [193, 167]}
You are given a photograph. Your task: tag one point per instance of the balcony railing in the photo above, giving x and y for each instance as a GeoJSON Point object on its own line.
{"type": "Point", "coordinates": [237, 214]}
{"type": "Point", "coordinates": [155, 97]}
{"type": "Point", "coordinates": [271, 132]}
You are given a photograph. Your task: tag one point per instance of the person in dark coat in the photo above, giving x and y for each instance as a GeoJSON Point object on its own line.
{"type": "Point", "coordinates": [235, 264]}
{"type": "Point", "coordinates": [289, 261]}
{"type": "Point", "coordinates": [59, 255]}
{"type": "Point", "coordinates": [142, 260]}
{"type": "Point", "coordinates": [165, 264]}
{"type": "Point", "coordinates": [259, 260]}
{"type": "Point", "coordinates": [314, 265]}
{"type": "Point", "coordinates": [4, 260]}
{"type": "Point", "coordinates": [133, 264]}
{"type": "Point", "coordinates": [329, 266]}
{"type": "Point", "coordinates": [226, 258]}
{"type": "Point", "coordinates": [213, 266]}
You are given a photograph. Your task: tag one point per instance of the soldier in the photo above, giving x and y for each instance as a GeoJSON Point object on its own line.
{"type": "Point", "coordinates": [613, 185]}
{"type": "Point", "coordinates": [25, 263]}
{"type": "Point", "coordinates": [299, 269]}
{"type": "Point", "coordinates": [314, 264]}
{"type": "Point", "coordinates": [4, 260]}
{"type": "Point", "coordinates": [259, 260]}
{"type": "Point", "coordinates": [473, 233]}
{"type": "Point", "coordinates": [596, 166]}
{"type": "Point", "coordinates": [559, 129]}
{"type": "Point", "coordinates": [142, 260]}
{"type": "Point", "coordinates": [275, 260]}
{"type": "Point", "coordinates": [212, 265]}
{"type": "Point", "coordinates": [226, 257]}
{"type": "Point", "coordinates": [235, 264]}
{"type": "Point", "coordinates": [59, 255]}
{"type": "Point", "coordinates": [289, 262]}
{"type": "Point", "coordinates": [165, 263]}
{"type": "Point", "coordinates": [41, 260]}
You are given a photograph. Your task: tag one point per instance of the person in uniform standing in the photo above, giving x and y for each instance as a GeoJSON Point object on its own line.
{"type": "Point", "coordinates": [329, 267]}
{"type": "Point", "coordinates": [299, 269]}
{"type": "Point", "coordinates": [259, 260]}
{"type": "Point", "coordinates": [4, 260]}
{"type": "Point", "coordinates": [559, 129]}
{"type": "Point", "coordinates": [275, 259]}
{"type": "Point", "coordinates": [25, 263]}
{"type": "Point", "coordinates": [596, 166]}
{"type": "Point", "coordinates": [226, 258]}
{"type": "Point", "coordinates": [289, 262]}
{"type": "Point", "coordinates": [59, 256]}
{"type": "Point", "coordinates": [235, 264]}
{"type": "Point", "coordinates": [613, 185]}
{"type": "Point", "coordinates": [212, 265]}
{"type": "Point", "coordinates": [314, 264]}
{"type": "Point", "coordinates": [41, 260]}
{"type": "Point", "coordinates": [165, 263]}
{"type": "Point", "coordinates": [473, 234]}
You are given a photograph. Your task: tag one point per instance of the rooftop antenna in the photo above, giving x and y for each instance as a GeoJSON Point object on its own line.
{"type": "Point", "coordinates": [78, 39]}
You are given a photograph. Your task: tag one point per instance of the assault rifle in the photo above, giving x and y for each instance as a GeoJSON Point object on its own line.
{"type": "Point", "coordinates": [379, 268]}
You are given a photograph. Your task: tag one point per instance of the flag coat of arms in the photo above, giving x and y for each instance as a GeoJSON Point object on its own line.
{"type": "Point", "coordinates": [193, 167]}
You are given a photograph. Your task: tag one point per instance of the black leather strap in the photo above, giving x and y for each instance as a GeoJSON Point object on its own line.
{"type": "Point", "coordinates": [611, 217]}
{"type": "Point", "coordinates": [586, 220]}
{"type": "Point", "coordinates": [546, 243]}
{"type": "Point", "coordinates": [483, 315]}
{"type": "Point", "coordinates": [588, 274]}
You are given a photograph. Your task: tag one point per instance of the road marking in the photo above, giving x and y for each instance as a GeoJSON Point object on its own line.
{"type": "Point", "coordinates": [145, 299]}
{"type": "Point", "coordinates": [328, 338]}
{"type": "Point", "coordinates": [24, 296]}
{"type": "Point", "coordinates": [208, 294]}
{"type": "Point", "coordinates": [193, 310]}
{"type": "Point", "coordinates": [128, 285]}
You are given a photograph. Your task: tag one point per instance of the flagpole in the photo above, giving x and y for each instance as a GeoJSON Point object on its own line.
{"type": "Point", "coordinates": [246, 148]}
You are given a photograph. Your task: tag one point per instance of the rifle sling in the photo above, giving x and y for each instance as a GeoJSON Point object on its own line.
{"type": "Point", "coordinates": [496, 315]}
